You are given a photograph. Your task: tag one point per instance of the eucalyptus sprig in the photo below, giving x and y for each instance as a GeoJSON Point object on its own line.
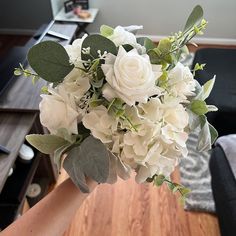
{"type": "Point", "coordinates": [159, 180]}
{"type": "Point", "coordinates": [27, 73]}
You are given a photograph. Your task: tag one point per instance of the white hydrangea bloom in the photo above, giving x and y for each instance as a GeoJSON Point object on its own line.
{"type": "Point", "coordinates": [74, 51]}
{"type": "Point", "coordinates": [181, 81]}
{"type": "Point", "coordinates": [101, 124]}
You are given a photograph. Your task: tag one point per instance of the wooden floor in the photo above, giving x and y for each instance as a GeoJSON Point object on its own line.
{"type": "Point", "coordinates": [130, 209]}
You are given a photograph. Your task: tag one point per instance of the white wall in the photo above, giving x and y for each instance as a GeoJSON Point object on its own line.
{"type": "Point", "coordinates": [162, 17]}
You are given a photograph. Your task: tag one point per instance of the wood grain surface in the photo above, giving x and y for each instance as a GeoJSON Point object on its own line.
{"type": "Point", "coordinates": [13, 128]}
{"type": "Point", "coordinates": [130, 209]}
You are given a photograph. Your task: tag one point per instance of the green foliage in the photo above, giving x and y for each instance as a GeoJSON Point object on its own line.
{"type": "Point", "coordinates": [198, 67]}
{"type": "Point", "coordinates": [198, 107]}
{"type": "Point", "coordinates": [159, 180]}
{"type": "Point", "coordinates": [90, 159]}
{"type": "Point", "coordinates": [127, 47]}
{"type": "Point", "coordinates": [206, 89]}
{"type": "Point", "coordinates": [116, 167]}
{"type": "Point", "coordinates": [97, 43]}
{"type": "Point", "coordinates": [194, 18]}
{"type": "Point", "coordinates": [50, 61]}
{"type": "Point", "coordinates": [106, 30]}
{"type": "Point", "coordinates": [207, 135]}
{"type": "Point", "coordinates": [44, 90]}
{"type": "Point", "coordinates": [146, 42]}
{"type": "Point", "coordinates": [47, 143]}
{"type": "Point", "coordinates": [162, 53]}
{"type": "Point", "coordinates": [27, 73]}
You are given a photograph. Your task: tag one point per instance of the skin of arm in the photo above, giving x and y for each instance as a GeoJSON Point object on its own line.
{"type": "Point", "coordinates": [53, 214]}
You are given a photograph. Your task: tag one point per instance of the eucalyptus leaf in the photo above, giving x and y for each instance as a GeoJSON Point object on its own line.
{"type": "Point", "coordinates": [97, 42]}
{"type": "Point", "coordinates": [199, 107]}
{"type": "Point", "coordinates": [50, 61]}
{"type": "Point", "coordinates": [194, 18]}
{"type": "Point", "coordinates": [146, 42]}
{"type": "Point", "coordinates": [46, 143]}
{"type": "Point", "coordinates": [127, 47]}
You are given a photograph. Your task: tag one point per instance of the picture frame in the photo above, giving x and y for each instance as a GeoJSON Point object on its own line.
{"type": "Point", "coordinates": [69, 6]}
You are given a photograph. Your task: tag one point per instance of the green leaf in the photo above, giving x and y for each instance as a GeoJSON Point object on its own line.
{"type": "Point", "coordinates": [159, 180]}
{"type": "Point", "coordinates": [207, 135]}
{"type": "Point", "coordinates": [97, 42]}
{"type": "Point", "coordinates": [127, 47]}
{"type": "Point", "coordinates": [106, 30]}
{"type": "Point", "coordinates": [17, 72]}
{"type": "Point", "coordinates": [194, 18]}
{"type": "Point", "coordinates": [146, 42]}
{"type": "Point", "coordinates": [90, 159]}
{"type": "Point", "coordinates": [161, 54]}
{"type": "Point", "coordinates": [213, 133]}
{"type": "Point", "coordinates": [46, 143]}
{"type": "Point", "coordinates": [50, 61]}
{"type": "Point", "coordinates": [198, 107]}
{"type": "Point", "coordinates": [207, 88]}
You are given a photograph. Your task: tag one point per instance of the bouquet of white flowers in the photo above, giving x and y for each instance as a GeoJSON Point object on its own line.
{"type": "Point", "coordinates": [116, 103]}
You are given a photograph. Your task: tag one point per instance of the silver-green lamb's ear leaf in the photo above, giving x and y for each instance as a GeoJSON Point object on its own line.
{"type": "Point", "coordinates": [58, 155]}
{"type": "Point", "coordinates": [207, 87]}
{"type": "Point", "coordinates": [207, 135]}
{"type": "Point", "coordinates": [194, 18]}
{"type": "Point", "coordinates": [90, 159]}
{"type": "Point", "coordinates": [112, 177]}
{"type": "Point", "coordinates": [72, 167]}
{"type": "Point", "coordinates": [50, 61]}
{"type": "Point", "coordinates": [97, 42]}
{"type": "Point", "coordinates": [106, 30]}
{"type": "Point", "coordinates": [94, 159]}
{"type": "Point", "coordinates": [46, 143]}
{"type": "Point", "coordinates": [117, 168]}
{"type": "Point", "coordinates": [194, 120]}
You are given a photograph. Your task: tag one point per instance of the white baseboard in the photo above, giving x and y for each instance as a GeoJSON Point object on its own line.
{"type": "Point", "coordinates": [215, 41]}
{"type": "Point", "coordinates": [18, 31]}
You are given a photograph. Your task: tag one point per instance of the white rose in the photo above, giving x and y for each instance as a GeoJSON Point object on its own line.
{"type": "Point", "coordinates": [74, 52]}
{"type": "Point", "coordinates": [120, 37]}
{"type": "Point", "coordinates": [100, 123]}
{"type": "Point", "coordinates": [130, 76]}
{"type": "Point", "coordinates": [56, 113]}
{"type": "Point", "coordinates": [181, 81]}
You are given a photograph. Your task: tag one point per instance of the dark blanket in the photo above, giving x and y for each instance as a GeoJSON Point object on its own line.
{"type": "Point", "coordinates": [222, 63]}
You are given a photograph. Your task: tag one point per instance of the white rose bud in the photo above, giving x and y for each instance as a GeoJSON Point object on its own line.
{"type": "Point", "coordinates": [120, 37]}
{"type": "Point", "coordinates": [130, 76]}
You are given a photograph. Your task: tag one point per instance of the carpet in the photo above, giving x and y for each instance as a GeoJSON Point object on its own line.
{"type": "Point", "coordinates": [194, 171]}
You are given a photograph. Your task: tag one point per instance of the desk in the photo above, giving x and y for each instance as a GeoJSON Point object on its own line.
{"type": "Point", "coordinates": [71, 17]}
{"type": "Point", "coordinates": [19, 116]}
